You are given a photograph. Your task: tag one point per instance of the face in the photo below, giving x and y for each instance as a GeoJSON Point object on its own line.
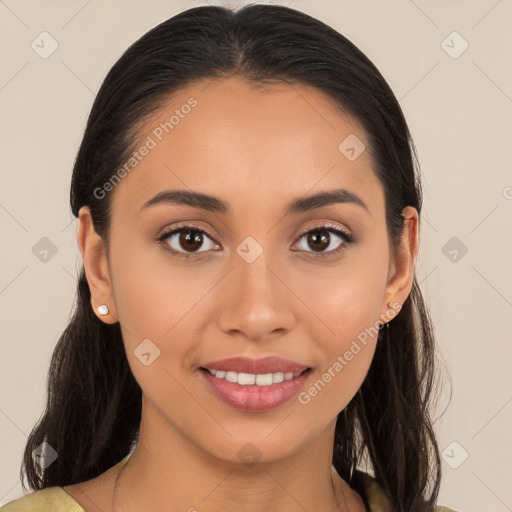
{"type": "Point", "coordinates": [254, 279]}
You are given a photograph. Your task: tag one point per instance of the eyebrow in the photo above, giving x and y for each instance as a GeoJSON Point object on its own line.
{"type": "Point", "coordinates": [216, 205]}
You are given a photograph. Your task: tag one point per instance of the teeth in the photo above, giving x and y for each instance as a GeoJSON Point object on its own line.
{"type": "Point", "coordinates": [278, 377]}
{"type": "Point", "coordinates": [250, 379]}
{"type": "Point", "coordinates": [247, 379]}
{"type": "Point", "coordinates": [264, 379]}
{"type": "Point", "coordinates": [231, 376]}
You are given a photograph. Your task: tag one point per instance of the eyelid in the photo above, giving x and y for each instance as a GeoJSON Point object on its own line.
{"type": "Point", "coordinates": [329, 226]}
{"type": "Point", "coordinates": [168, 231]}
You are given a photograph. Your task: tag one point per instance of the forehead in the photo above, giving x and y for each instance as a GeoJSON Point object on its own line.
{"type": "Point", "coordinates": [252, 144]}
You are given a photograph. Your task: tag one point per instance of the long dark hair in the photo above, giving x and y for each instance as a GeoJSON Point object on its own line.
{"type": "Point", "coordinates": [93, 408]}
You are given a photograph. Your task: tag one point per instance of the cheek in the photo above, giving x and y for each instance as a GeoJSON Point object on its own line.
{"type": "Point", "coordinates": [335, 384]}
{"type": "Point", "coordinates": [342, 372]}
{"type": "Point", "coordinates": [344, 301]}
{"type": "Point", "coordinates": [155, 306]}
{"type": "Point", "coordinates": [155, 300]}
{"type": "Point", "coordinates": [153, 292]}
{"type": "Point", "coordinates": [345, 326]}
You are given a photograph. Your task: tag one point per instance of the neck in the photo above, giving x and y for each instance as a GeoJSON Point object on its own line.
{"type": "Point", "coordinates": [176, 475]}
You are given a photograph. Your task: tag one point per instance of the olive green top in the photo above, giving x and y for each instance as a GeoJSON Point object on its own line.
{"type": "Point", "coordinates": [56, 499]}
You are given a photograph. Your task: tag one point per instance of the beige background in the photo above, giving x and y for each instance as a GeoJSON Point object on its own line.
{"type": "Point", "coordinates": [459, 111]}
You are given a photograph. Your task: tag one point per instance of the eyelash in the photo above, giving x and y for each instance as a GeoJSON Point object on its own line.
{"type": "Point", "coordinates": [331, 228]}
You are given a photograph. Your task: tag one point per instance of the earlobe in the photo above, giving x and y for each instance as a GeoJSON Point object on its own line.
{"type": "Point", "coordinates": [96, 268]}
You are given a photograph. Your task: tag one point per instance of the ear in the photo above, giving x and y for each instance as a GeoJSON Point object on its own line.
{"type": "Point", "coordinates": [401, 274]}
{"type": "Point", "coordinates": [95, 261]}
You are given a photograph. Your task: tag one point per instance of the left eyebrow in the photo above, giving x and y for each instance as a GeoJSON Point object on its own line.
{"type": "Point", "coordinates": [325, 198]}
{"type": "Point", "coordinates": [216, 205]}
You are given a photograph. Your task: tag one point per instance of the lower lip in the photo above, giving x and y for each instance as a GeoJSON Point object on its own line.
{"type": "Point", "coordinates": [255, 398]}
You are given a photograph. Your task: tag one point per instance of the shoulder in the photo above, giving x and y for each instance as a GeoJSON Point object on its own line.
{"type": "Point", "coordinates": [375, 497]}
{"type": "Point", "coordinates": [51, 499]}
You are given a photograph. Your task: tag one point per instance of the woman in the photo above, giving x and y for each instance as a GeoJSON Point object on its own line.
{"type": "Point", "coordinates": [249, 332]}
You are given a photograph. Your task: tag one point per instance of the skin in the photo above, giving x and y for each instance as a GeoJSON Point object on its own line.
{"type": "Point", "coordinates": [256, 148]}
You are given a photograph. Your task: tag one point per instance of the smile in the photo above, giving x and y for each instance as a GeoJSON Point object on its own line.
{"type": "Point", "coordinates": [254, 392]}
{"type": "Point", "coordinates": [251, 379]}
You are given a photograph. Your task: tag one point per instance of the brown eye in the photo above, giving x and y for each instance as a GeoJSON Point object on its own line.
{"type": "Point", "coordinates": [190, 240]}
{"type": "Point", "coordinates": [186, 240]}
{"type": "Point", "coordinates": [320, 238]}
{"type": "Point", "coordinates": [319, 242]}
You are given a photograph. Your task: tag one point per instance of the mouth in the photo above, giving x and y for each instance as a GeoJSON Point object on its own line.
{"type": "Point", "coordinates": [262, 366]}
{"type": "Point", "coordinates": [254, 379]}
{"type": "Point", "coordinates": [254, 392]}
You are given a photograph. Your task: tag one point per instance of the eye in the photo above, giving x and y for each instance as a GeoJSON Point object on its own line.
{"type": "Point", "coordinates": [319, 238]}
{"type": "Point", "coordinates": [185, 237]}
{"type": "Point", "coordinates": [188, 239]}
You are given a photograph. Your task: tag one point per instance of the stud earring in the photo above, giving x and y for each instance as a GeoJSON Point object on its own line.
{"type": "Point", "coordinates": [103, 310]}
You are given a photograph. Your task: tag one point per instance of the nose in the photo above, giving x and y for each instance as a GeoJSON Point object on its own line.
{"type": "Point", "coordinates": [258, 302]}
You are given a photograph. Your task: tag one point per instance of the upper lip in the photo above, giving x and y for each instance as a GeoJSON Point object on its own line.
{"type": "Point", "coordinates": [256, 366]}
